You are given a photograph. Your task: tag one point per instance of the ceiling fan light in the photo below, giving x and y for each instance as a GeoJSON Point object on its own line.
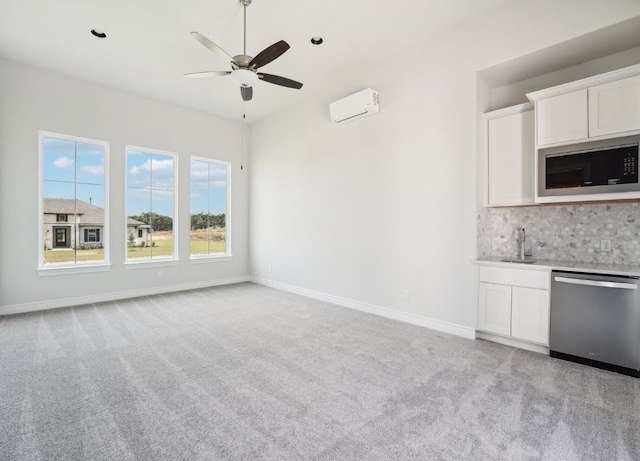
{"type": "Point", "coordinates": [244, 77]}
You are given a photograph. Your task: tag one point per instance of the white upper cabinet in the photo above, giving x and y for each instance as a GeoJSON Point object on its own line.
{"type": "Point", "coordinates": [614, 107]}
{"type": "Point", "coordinates": [562, 118]}
{"type": "Point", "coordinates": [509, 156]}
{"type": "Point", "coordinates": [602, 106]}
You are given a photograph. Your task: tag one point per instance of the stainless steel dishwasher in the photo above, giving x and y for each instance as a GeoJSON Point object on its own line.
{"type": "Point", "coordinates": [595, 320]}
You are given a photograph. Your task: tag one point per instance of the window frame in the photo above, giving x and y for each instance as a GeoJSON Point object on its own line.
{"type": "Point", "coordinates": [134, 263]}
{"type": "Point", "coordinates": [227, 255]}
{"type": "Point", "coordinates": [71, 268]}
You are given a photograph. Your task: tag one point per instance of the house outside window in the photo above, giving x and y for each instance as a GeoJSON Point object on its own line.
{"type": "Point", "coordinates": [73, 201]}
{"type": "Point", "coordinates": [151, 203]}
{"type": "Point", "coordinates": [209, 187]}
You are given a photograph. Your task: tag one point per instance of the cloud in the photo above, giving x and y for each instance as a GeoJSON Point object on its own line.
{"type": "Point", "coordinates": [63, 162]}
{"type": "Point", "coordinates": [93, 170]}
{"type": "Point", "coordinates": [161, 170]}
{"type": "Point", "coordinates": [205, 175]}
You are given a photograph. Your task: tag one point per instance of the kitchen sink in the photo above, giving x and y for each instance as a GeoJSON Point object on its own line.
{"type": "Point", "coordinates": [518, 260]}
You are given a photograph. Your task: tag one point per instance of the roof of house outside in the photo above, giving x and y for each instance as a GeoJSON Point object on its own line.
{"type": "Point", "coordinates": [90, 213]}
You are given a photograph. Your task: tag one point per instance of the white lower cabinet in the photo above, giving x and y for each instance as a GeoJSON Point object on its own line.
{"type": "Point", "coordinates": [530, 314]}
{"type": "Point", "coordinates": [494, 313]}
{"type": "Point", "coordinates": [514, 303]}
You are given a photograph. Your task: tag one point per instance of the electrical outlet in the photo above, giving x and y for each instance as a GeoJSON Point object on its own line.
{"type": "Point", "coordinates": [405, 294]}
{"type": "Point", "coordinates": [605, 245]}
{"type": "Point", "coordinates": [270, 269]}
{"type": "Point", "coordinates": [160, 274]}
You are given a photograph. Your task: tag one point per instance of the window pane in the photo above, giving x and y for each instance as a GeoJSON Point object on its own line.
{"type": "Point", "coordinates": [58, 160]}
{"type": "Point", "coordinates": [161, 172]}
{"type": "Point", "coordinates": [138, 202]}
{"type": "Point", "coordinates": [58, 191]}
{"type": "Point", "coordinates": [138, 170]}
{"type": "Point", "coordinates": [73, 201]}
{"type": "Point", "coordinates": [162, 224]}
{"type": "Point", "coordinates": [208, 208]}
{"type": "Point", "coordinates": [138, 223]}
{"type": "Point", "coordinates": [90, 164]}
{"type": "Point", "coordinates": [199, 177]}
{"type": "Point", "coordinates": [91, 195]}
{"type": "Point", "coordinates": [150, 205]}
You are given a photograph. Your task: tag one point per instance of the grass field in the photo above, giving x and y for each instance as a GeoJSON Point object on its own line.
{"type": "Point", "coordinates": [215, 238]}
{"type": "Point", "coordinates": [65, 256]}
{"type": "Point", "coordinates": [163, 248]}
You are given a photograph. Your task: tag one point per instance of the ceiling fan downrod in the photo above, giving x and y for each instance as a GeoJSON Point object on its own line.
{"type": "Point", "coordinates": [245, 4]}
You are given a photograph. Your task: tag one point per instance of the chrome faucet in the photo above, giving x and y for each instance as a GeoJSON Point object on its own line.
{"type": "Point", "coordinates": [523, 240]}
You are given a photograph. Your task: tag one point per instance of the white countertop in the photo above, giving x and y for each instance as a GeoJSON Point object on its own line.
{"type": "Point", "coordinates": [575, 266]}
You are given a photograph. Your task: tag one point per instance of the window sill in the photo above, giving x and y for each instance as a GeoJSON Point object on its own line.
{"type": "Point", "coordinates": [68, 270]}
{"type": "Point", "coordinates": [150, 263]}
{"type": "Point", "coordinates": [210, 259]}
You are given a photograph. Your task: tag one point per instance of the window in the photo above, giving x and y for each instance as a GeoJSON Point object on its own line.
{"type": "Point", "coordinates": [209, 208]}
{"type": "Point", "coordinates": [150, 205]}
{"type": "Point", "coordinates": [73, 199]}
{"type": "Point", "coordinates": [92, 235]}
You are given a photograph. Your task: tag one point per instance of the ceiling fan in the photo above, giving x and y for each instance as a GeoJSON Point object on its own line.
{"type": "Point", "coordinates": [243, 67]}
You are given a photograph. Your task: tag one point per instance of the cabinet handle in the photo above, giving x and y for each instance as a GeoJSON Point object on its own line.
{"type": "Point", "coordinates": [597, 283]}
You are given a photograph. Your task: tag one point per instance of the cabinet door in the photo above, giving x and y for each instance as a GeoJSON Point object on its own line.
{"type": "Point", "coordinates": [530, 314]}
{"type": "Point", "coordinates": [510, 159]}
{"type": "Point", "coordinates": [614, 107]}
{"type": "Point", "coordinates": [494, 309]}
{"type": "Point", "coordinates": [562, 118]}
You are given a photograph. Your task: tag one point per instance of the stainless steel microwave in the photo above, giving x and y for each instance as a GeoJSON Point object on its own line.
{"type": "Point", "coordinates": [595, 167]}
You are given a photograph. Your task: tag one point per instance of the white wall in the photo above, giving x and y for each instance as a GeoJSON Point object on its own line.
{"type": "Point", "coordinates": [364, 210]}
{"type": "Point", "coordinates": [515, 93]}
{"type": "Point", "coordinates": [32, 100]}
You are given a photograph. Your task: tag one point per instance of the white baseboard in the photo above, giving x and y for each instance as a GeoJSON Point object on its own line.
{"type": "Point", "coordinates": [438, 325]}
{"type": "Point", "coordinates": [81, 300]}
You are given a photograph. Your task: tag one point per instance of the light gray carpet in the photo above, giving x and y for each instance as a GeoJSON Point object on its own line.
{"type": "Point", "coordinates": [249, 372]}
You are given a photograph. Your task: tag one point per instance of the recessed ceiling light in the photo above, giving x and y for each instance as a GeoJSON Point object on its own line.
{"type": "Point", "coordinates": [98, 34]}
{"type": "Point", "coordinates": [317, 40]}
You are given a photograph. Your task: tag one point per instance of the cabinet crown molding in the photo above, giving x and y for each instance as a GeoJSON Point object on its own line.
{"type": "Point", "coordinates": [525, 107]}
{"type": "Point", "coordinates": [585, 83]}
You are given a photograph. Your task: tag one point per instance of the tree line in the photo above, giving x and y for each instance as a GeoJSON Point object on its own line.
{"type": "Point", "coordinates": [206, 220]}
{"type": "Point", "coordinates": [159, 222]}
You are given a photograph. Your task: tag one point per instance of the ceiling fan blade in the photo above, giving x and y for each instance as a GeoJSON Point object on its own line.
{"type": "Point", "coordinates": [246, 92]}
{"type": "Point", "coordinates": [282, 81]}
{"type": "Point", "coordinates": [215, 48]}
{"type": "Point", "coordinates": [208, 73]}
{"type": "Point", "coordinates": [269, 54]}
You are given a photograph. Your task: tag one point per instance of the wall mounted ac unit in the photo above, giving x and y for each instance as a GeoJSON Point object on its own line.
{"type": "Point", "coordinates": [358, 105]}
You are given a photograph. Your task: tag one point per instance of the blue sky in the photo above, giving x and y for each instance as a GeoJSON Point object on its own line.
{"type": "Point", "coordinates": [74, 169]}
{"type": "Point", "coordinates": [208, 187]}
{"type": "Point", "coordinates": [150, 179]}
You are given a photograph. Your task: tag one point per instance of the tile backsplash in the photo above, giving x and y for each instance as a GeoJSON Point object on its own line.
{"type": "Point", "coordinates": [563, 232]}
